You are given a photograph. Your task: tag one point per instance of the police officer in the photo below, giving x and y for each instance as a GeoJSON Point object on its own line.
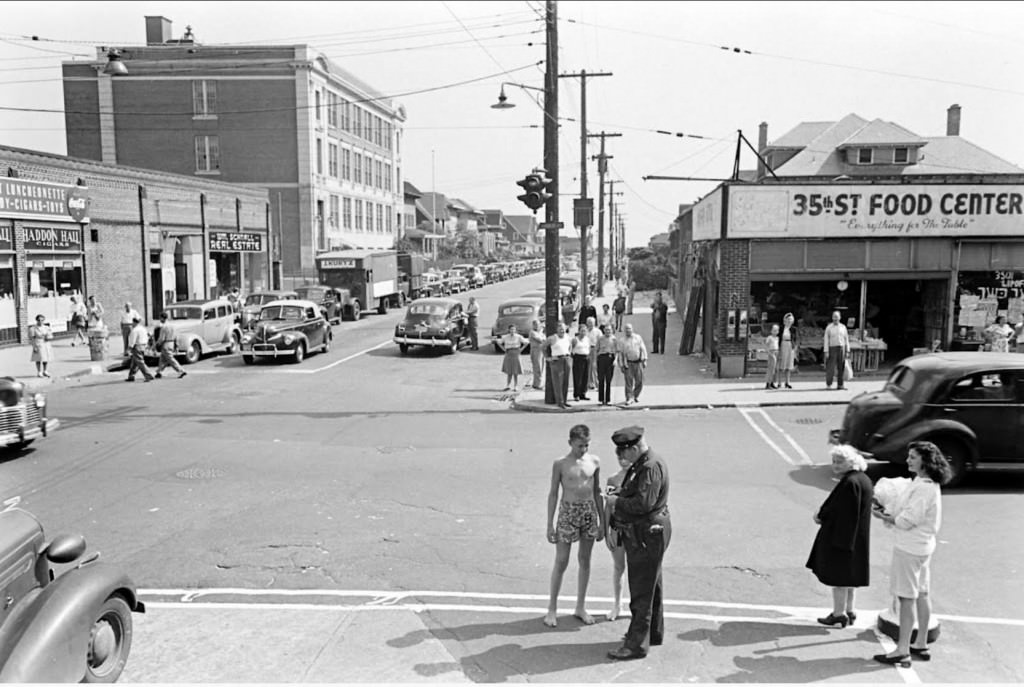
{"type": "Point", "coordinates": [640, 515]}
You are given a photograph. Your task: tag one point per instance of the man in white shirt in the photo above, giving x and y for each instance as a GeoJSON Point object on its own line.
{"type": "Point", "coordinates": [557, 349]}
{"type": "Point", "coordinates": [836, 345]}
{"type": "Point", "coordinates": [138, 339]}
{"type": "Point", "coordinates": [632, 360]}
{"type": "Point", "coordinates": [128, 318]}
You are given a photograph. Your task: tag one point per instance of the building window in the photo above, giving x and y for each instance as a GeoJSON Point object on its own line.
{"type": "Point", "coordinates": [380, 219]}
{"type": "Point", "coordinates": [316, 106]}
{"type": "Point", "coordinates": [369, 216]}
{"type": "Point", "coordinates": [864, 156]}
{"type": "Point", "coordinates": [332, 219]}
{"type": "Point", "coordinates": [901, 156]}
{"type": "Point", "coordinates": [346, 213]}
{"type": "Point", "coordinates": [359, 215]}
{"type": "Point", "coordinates": [207, 154]}
{"type": "Point", "coordinates": [332, 109]}
{"type": "Point", "coordinates": [359, 168]}
{"type": "Point", "coordinates": [357, 120]}
{"type": "Point", "coordinates": [319, 156]}
{"type": "Point", "coordinates": [204, 98]}
{"type": "Point", "coordinates": [332, 160]}
{"type": "Point", "coordinates": [321, 237]}
{"type": "Point", "coordinates": [391, 222]}
{"type": "Point", "coordinates": [346, 164]}
{"type": "Point", "coordinates": [378, 134]}
{"type": "Point", "coordinates": [387, 177]}
{"type": "Point", "coordinates": [379, 179]}
{"type": "Point", "coordinates": [387, 135]}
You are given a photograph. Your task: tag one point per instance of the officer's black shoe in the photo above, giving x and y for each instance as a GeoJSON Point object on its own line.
{"type": "Point", "coordinates": [624, 653]}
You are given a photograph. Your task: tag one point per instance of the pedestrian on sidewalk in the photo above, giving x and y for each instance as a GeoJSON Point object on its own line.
{"type": "Point", "coordinates": [77, 320]}
{"type": "Point", "coordinates": [568, 309]}
{"type": "Point", "coordinates": [512, 343]}
{"type": "Point", "coordinates": [659, 321]}
{"type": "Point", "coordinates": [128, 318]}
{"type": "Point", "coordinates": [841, 555]}
{"type": "Point", "coordinates": [836, 344]}
{"type": "Point", "coordinates": [619, 306]}
{"type": "Point", "coordinates": [633, 361]}
{"type": "Point", "coordinates": [605, 316]}
{"type": "Point", "coordinates": [472, 317]}
{"type": "Point", "coordinates": [580, 364]}
{"type": "Point", "coordinates": [166, 343]}
{"type": "Point", "coordinates": [630, 292]}
{"type": "Point", "coordinates": [593, 333]}
{"type": "Point", "coordinates": [557, 353]}
{"type": "Point", "coordinates": [640, 515]}
{"type": "Point", "coordinates": [577, 475]}
{"type": "Point", "coordinates": [537, 340]}
{"type": "Point", "coordinates": [607, 351]}
{"type": "Point", "coordinates": [95, 313]}
{"type": "Point", "coordinates": [40, 335]}
{"type": "Point", "coordinates": [789, 345]}
{"type": "Point", "coordinates": [587, 311]}
{"type": "Point", "coordinates": [771, 343]}
{"type": "Point", "coordinates": [138, 338]}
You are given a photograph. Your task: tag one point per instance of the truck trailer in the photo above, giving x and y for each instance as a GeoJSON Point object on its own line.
{"type": "Point", "coordinates": [371, 277]}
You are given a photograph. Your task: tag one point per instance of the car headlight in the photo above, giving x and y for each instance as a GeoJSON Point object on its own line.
{"type": "Point", "coordinates": [400, 329]}
{"type": "Point", "coordinates": [288, 339]}
{"type": "Point", "coordinates": [40, 400]}
{"type": "Point", "coordinates": [246, 338]}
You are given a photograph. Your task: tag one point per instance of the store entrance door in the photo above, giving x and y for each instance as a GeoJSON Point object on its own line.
{"type": "Point", "coordinates": [896, 309]}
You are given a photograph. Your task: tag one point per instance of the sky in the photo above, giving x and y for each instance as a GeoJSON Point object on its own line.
{"type": "Point", "coordinates": [706, 70]}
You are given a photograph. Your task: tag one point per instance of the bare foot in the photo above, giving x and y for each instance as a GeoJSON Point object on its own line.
{"type": "Point", "coordinates": [584, 617]}
{"type": "Point", "coordinates": [614, 613]}
{"type": "Point", "coordinates": [550, 620]}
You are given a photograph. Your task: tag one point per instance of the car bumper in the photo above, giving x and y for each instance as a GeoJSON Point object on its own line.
{"type": "Point", "coordinates": [422, 341]}
{"type": "Point", "coordinates": [267, 351]}
{"type": "Point", "coordinates": [23, 434]}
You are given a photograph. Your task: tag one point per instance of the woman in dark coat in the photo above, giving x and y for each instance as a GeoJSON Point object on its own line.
{"type": "Point", "coordinates": [840, 557]}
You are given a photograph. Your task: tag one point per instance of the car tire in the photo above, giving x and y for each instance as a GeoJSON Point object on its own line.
{"type": "Point", "coordinates": [382, 306]}
{"type": "Point", "coordinates": [236, 344]}
{"type": "Point", "coordinates": [357, 311]}
{"type": "Point", "coordinates": [110, 640]}
{"type": "Point", "coordinates": [300, 353]}
{"type": "Point", "coordinates": [403, 349]}
{"type": "Point", "coordinates": [327, 342]}
{"type": "Point", "coordinates": [453, 347]}
{"type": "Point", "coordinates": [956, 455]}
{"type": "Point", "coordinates": [194, 353]}
{"type": "Point", "coordinates": [248, 359]}
{"type": "Point", "coordinates": [497, 348]}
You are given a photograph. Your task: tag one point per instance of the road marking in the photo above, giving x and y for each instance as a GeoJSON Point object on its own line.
{"type": "Point", "coordinates": [792, 442]}
{"type": "Point", "coordinates": [747, 411]}
{"type": "Point", "coordinates": [909, 675]}
{"type": "Point", "coordinates": [330, 365]}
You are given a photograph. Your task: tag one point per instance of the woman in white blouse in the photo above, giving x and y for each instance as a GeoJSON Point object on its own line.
{"type": "Point", "coordinates": [916, 516]}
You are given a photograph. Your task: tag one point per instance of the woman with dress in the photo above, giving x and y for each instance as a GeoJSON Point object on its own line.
{"type": "Point", "coordinates": [840, 557]}
{"type": "Point", "coordinates": [999, 335]}
{"type": "Point", "coordinates": [77, 320]}
{"type": "Point", "coordinates": [789, 344]}
{"type": "Point", "coordinates": [513, 343]}
{"type": "Point", "coordinates": [40, 335]}
{"type": "Point", "coordinates": [916, 515]}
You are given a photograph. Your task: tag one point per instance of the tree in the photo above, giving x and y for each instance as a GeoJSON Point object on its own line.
{"type": "Point", "coordinates": [650, 269]}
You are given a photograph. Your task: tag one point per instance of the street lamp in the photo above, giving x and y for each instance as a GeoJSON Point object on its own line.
{"type": "Point", "coordinates": [503, 103]}
{"type": "Point", "coordinates": [114, 66]}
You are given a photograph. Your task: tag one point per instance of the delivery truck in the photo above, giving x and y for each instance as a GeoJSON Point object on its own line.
{"type": "Point", "coordinates": [371, 277]}
{"type": "Point", "coordinates": [410, 275]}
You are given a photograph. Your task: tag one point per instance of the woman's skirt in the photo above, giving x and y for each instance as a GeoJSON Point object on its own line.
{"type": "Point", "coordinates": [42, 352]}
{"type": "Point", "coordinates": [786, 361]}
{"type": "Point", "coordinates": [511, 365]}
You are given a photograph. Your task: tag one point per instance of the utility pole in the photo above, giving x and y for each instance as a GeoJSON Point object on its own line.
{"type": "Point", "coordinates": [581, 214]}
{"type": "Point", "coordinates": [613, 233]}
{"type": "Point", "coordinates": [602, 169]}
{"type": "Point", "coordinates": [552, 261]}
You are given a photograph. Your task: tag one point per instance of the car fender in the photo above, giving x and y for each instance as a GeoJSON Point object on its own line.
{"type": "Point", "coordinates": [230, 334]}
{"type": "Point", "coordinates": [893, 447]}
{"type": "Point", "coordinates": [49, 642]}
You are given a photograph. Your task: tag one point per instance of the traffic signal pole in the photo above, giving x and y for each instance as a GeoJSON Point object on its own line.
{"type": "Point", "coordinates": [551, 257]}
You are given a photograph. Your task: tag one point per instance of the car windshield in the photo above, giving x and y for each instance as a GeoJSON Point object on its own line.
{"type": "Point", "coordinates": [507, 310]}
{"type": "Point", "coordinates": [185, 313]}
{"type": "Point", "coordinates": [281, 312]}
{"type": "Point", "coordinates": [900, 381]}
{"type": "Point", "coordinates": [312, 293]}
{"type": "Point", "coordinates": [258, 299]}
{"type": "Point", "coordinates": [421, 309]}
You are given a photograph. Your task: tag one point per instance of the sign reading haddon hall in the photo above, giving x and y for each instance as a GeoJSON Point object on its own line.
{"type": "Point", "coordinates": [40, 200]}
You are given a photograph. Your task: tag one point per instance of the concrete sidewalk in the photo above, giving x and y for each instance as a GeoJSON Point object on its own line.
{"type": "Point", "coordinates": [69, 362]}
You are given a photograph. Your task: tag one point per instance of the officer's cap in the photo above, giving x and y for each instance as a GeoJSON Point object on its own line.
{"type": "Point", "coordinates": [628, 436]}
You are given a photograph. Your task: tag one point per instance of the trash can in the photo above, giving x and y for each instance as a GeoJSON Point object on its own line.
{"type": "Point", "coordinates": [97, 344]}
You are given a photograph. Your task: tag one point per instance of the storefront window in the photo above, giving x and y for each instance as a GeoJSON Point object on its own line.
{"type": "Point", "coordinates": [51, 283]}
{"type": "Point", "coordinates": [8, 303]}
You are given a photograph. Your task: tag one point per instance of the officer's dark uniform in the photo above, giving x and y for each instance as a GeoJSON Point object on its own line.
{"type": "Point", "coordinates": [641, 515]}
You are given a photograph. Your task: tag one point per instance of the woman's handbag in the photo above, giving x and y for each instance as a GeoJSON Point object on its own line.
{"type": "Point", "coordinates": [847, 371]}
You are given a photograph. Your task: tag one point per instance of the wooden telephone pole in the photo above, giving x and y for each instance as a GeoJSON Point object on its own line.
{"type": "Point", "coordinates": [602, 169]}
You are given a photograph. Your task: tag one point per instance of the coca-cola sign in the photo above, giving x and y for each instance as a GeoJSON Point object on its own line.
{"type": "Point", "coordinates": [24, 199]}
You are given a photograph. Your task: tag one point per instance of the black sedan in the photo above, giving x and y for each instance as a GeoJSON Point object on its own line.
{"type": "Point", "coordinates": [432, 322]}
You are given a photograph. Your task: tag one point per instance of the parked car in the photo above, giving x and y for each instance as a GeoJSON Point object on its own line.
{"type": "Point", "coordinates": [287, 329]}
{"type": "Point", "coordinates": [22, 416]}
{"type": "Point", "coordinates": [66, 616]}
{"type": "Point", "coordinates": [332, 301]}
{"type": "Point", "coordinates": [434, 322]}
{"type": "Point", "coordinates": [201, 328]}
{"type": "Point", "coordinates": [970, 404]}
{"type": "Point", "coordinates": [518, 311]}
{"type": "Point", "coordinates": [255, 301]}
{"type": "Point", "coordinates": [474, 276]}
{"type": "Point", "coordinates": [457, 282]}
{"type": "Point", "coordinates": [433, 285]}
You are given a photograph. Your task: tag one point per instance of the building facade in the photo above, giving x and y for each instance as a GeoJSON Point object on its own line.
{"type": "Point", "coordinates": [282, 118]}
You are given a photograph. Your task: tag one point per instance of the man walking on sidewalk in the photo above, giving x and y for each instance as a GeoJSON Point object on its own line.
{"type": "Point", "coordinates": [632, 361]}
{"type": "Point", "coordinates": [128, 318]}
{"type": "Point", "coordinates": [165, 343]}
{"type": "Point", "coordinates": [837, 348]}
{"type": "Point", "coordinates": [472, 315]}
{"type": "Point", "coordinates": [659, 320]}
{"type": "Point", "coordinates": [137, 340]}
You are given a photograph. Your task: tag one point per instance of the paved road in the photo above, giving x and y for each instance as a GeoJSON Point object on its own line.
{"type": "Point", "coordinates": [367, 517]}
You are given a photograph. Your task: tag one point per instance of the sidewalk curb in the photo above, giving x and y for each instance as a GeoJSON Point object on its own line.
{"type": "Point", "coordinates": [540, 407]}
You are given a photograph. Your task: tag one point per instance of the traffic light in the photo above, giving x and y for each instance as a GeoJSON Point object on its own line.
{"type": "Point", "coordinates": [535, 185]}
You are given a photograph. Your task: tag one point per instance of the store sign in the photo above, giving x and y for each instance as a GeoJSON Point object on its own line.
{"type": "Point", "coordinates": [41, 200]}
{"type": "Point", "coordinates": [875, 211]}
{"type": "Point", "coordinates": [236, 242]}
{"type": "Point", "coordinates": [63, 240]}
{"type": "Point", "coordinates": [707, 217]}
{"type": "Point", "coordinates": [338, 264]}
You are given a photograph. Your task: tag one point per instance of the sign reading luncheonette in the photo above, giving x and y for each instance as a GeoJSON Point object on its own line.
{"type": "Point", "coordinates": [234, 241]}
{"type": "Point", "coordinates": [870, 211]}
{"type": "Point", "coordinates": [41, 200]}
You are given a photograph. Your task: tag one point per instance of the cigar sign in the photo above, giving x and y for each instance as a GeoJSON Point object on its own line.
{"type": "Point", "coordinates": [875, 211]}
{"type": "Point", "coordinates": [23, 199]}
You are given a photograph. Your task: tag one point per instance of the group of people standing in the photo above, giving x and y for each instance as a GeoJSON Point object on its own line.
{"type": "Point", "coordinates": [783, 347]}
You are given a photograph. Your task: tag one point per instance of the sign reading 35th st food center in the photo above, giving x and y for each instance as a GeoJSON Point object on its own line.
{"type": "Point", "coordinates": [875, 211]}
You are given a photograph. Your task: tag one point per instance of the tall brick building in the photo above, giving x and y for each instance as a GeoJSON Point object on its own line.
{"type": "Point", "coordinates": [283, 118]}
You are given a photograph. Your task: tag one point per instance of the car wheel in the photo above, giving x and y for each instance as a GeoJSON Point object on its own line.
{"type": "Point", "coordinates": [355, 311]}
{"type": "Point", "coordinates": [248, 359]}
{"type": "Point", "coordinates": [454, 348]}
{"type": "Point", "coordinates": [300, 353]}
{"type": "Point", "coordinates": [497, 348]}
{"type": "Point", "coordinates": [194, 353]}
{"type": "Point", "coordinates": [403, 348]}
{"type": "Point", "coordinates": [110, 640]}
{"type": "Point", "coordinates": [236, 344]}
{"type": "Point", "coordinates": [382, 307]}
{"type": "Point", "coordinates": [327, 342]}
{"type": "Point", "coordinates": [956, 456]}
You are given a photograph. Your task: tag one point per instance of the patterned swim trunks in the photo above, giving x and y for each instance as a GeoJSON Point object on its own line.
{"type": "Point", "coordinates": [577, 520]}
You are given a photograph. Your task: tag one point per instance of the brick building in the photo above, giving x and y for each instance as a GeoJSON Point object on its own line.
{"type": "Point", "coordinates": [277, 117]}
{"type": "Point", "coordinates": [72, 227]}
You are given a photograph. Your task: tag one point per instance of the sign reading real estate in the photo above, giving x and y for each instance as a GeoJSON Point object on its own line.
{"type": "Point", "coordinates": [236, 242]}
{"type": "Point", "coordinates": [55, 240]}
{"type": "Point", "coordinates": [875, 211]}
{"type": "Point", "coordinates": [23, 199]}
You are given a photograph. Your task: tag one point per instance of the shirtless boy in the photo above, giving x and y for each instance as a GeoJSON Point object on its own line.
{"type": "Point", "coordinates": [580, 518]}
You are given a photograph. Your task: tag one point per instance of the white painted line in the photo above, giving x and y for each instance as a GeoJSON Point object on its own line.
{"type": "Point", "coordinates": [336, 362]}
{"type": "Point", "coordinates": [909, 675]}
{"type": "Point", "coordinates": [792, 442]}
{"type": "Point", "coordinates": [745, 412]}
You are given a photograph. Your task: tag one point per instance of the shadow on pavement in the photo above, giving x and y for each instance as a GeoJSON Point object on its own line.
{"type": "Point", "coordinates": [740, 633]}
{"type": "Point", "coordinates": [518, 663]}
{"type": "Point", "coordinates": [464, 633]}
{"type": "Point", "coordinates": [786, 669]}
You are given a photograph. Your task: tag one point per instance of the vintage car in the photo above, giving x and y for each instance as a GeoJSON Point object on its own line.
{"type": "Point", "coordinates": [518, 311]}
{"type": "Point", "coordinates": [22, 415]}
{"type": "Point", "coordinates": [433, 283]}
{"type": "Point", "coordinates": [201, 328]}
{"type": "Point", "coordinates": [474, 276]}
{"type": "Point", "coordinates": [333, 302]}
{"type": "Point", "coordinates": [255, 301]}
{"type": "Point", "coordinates": [66, 616]}
{"type": "Point", "coordinates": [287, 329]}
{"type": "Point", "coordinates": [433, 322]}
{"type": "Point", "coordinates": [969, 404]}
{"type": "Point", "coordinates": [456, 281]}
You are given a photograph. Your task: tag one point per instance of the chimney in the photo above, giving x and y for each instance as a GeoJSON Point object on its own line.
{"type": "Point", "coordinates": [158, 30]}
{"type": "Point", "coordinates": [762, 143]}
{"type": "Point", "coordinates": [953, 120]}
